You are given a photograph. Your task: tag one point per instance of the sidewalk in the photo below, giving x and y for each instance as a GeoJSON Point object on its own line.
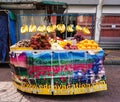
{"type": "Point", "coordinates": [112, 57]}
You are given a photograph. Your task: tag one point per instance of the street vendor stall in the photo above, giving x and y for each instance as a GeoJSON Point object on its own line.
{"type": "Point", "coordinates": [49, 65]}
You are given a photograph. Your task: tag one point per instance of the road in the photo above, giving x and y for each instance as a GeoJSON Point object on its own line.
{"type": "Point", "coordinates": [8, 92]}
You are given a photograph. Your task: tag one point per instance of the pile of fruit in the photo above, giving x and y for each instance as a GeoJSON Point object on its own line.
{"type": "Point", "coordinates": [40, 42]}
{"type": "Point", "coordinates": [87, 45]}
{"type": "Point", "coordinates": [23, 43]}
{"type": "Point", "coordinates": [67, 44]}
{"type": "Point", "coordinates": [78, 37]}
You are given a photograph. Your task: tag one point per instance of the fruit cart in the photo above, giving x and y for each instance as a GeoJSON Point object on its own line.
{"type": "Point", "coordinates": [49, 65]}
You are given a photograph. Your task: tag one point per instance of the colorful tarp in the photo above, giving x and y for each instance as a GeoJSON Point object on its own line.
{"type": "Point", "coordinates": [58, 72]}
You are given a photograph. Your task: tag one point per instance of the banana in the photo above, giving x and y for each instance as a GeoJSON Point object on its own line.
{"type": "Point", "coordinates": [64, 42]}
{"type": "Point", "coordinates": [54, 27]}
{"type": "Point", "coordinates": [69, 28]}
{"type": "Point", "coordinates": [32, 28]}
{"type": "Point", "coordinates": [86, 30]}
{"type": "Point", "coordinates": [41, 28]}
{"type": "Point", "coordinates": [24, 29]}
{"type": "Point", "coordinates": [61, 28]}
{"type": "Point", "coordinates": [78, 28]}
{"type": "Point", "coordinates": [51, 28]}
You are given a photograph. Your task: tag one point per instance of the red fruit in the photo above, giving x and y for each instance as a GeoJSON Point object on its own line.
{"type": "Point", "coordinates": [68, 44]}
{"type": "Point", "coordinates": [35, 42]}
{"type": "Point", "coordinates": [66, 47]}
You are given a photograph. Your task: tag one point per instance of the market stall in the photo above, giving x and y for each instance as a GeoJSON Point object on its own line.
{"type": "Point", "coordinates": [47, 64]}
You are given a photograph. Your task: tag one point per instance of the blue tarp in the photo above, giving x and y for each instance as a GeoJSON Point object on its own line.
{"type": "Point", "coordinates": [6, 21]}
{"type": "Point", "coordinates": [12, 28]}
{"type": "Point", "coordinates": [3, 36]}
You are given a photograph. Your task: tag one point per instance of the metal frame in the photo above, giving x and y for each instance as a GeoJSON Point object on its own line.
{"type": "Point", "coordinates": [65, 14]}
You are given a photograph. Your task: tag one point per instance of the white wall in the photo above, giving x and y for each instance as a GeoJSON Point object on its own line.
{"type": "Point", "coordinates": [111, 9]}
{"type": "Point", "coordinates": [81, 9]}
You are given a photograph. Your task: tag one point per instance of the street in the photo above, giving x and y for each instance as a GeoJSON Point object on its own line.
{"type": "Point", "coordinates": [8, 92]}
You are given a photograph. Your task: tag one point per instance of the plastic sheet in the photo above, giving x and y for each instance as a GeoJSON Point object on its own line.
{"type": "Point", "coordinates": [58, 72]}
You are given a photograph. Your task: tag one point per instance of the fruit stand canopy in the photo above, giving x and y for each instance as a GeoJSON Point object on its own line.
{"type": "Point", "coordinates": [53, 3]}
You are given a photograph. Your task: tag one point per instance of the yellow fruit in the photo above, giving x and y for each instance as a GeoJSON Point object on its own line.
{"type": "Point", "coordinates": [86, 30]}
{"type": "Point", "coordinates": [79, 46]}
{"type": "Point", "coordinates": [98, 48]}
{"type": "Point", "coordinates": [51, 28]}
{"type": "Point", "coordinates": [32, 28]}
{"type": "Point", "coordinates": [78, 28]}
{"type": "Point", "coordinates": [83, 47]}
{"type": "Point", "coordinates": [93, 47]}
{"type": "Point", "coordinates": [89, 47]}
{"type": "Point", "coordinates": [85, 41]}
{"type": "Point", "coordinates": [61, 28]}
{"type": "Point", "coordinates": [85, 44]}
{"type": "Point", "coordinates": [96, 45]}
{"type": "Point", "coordinates": [69, 28]}
{"type": "Point", "coordinates": [92, 41]}
{"type": "Point", "coordinates": [24, 29]}
{"type": "Point", "coordinates": [41, 28]}
{"type": "Point", "coordinates": [54, 27]}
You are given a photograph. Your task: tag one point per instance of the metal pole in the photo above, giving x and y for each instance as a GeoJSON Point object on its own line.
{"type": "Point", "coordinates": [98, 20]}
{"type": "Point", "coordinates": [66, 22]}
{"type": "Point", "coordinates": [93, 27]}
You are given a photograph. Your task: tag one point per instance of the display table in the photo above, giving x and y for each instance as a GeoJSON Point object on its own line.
{"type": "Point", "coordinates": [64, 72]}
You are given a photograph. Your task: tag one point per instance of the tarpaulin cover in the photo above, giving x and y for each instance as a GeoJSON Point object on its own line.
{"type": "Point", "coordinates": [12, 29]}
{"type": "Point", "coordinates": [58, 72]}
{"type": "Point", "coordinates": [3, 36]}
{"type": "Point", "coordinates": [48, 2]}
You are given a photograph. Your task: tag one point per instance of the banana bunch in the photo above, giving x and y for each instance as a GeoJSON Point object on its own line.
{"type": "Point", "coordinates": [51, 28]}
{"type": "Point", "coordinates": [78, 28]}
{"type": "Point", "coordinates": [86, 30]}
{"type": "Point", "coordinates": [41, 28]}
{"type": "Point", "coordinates": [61, 28]}
{"type": "Point", "coordinates": [64, 42]}
{"type": "Point", "coordinates": [70, 28]}
{"type": "Point", "coordinates": [24, 29]}
{"type": "Point", "coordinates": [32, 28]}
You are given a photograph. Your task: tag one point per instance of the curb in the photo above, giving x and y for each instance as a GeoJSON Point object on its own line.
{"type": "Point", "coordinates": [112, 62]}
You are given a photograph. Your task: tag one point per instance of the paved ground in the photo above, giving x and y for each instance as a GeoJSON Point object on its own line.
{"type": "Point", "coordinates": [8, 92]}
{"type": "Point", "coordinates": [112, 57]}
